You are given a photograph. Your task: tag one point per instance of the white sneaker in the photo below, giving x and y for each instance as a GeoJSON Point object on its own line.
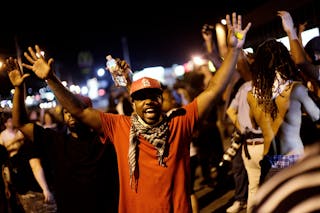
{"type": "Point", "coordinates": [237, 206]}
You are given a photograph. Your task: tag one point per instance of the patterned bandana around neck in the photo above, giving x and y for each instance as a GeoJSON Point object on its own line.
{"type": "Point", "coordinates": [156, 134]}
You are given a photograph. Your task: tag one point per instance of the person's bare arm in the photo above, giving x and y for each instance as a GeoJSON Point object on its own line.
{"type": "Point", "coordinates": [206, 33]}
{"type": "Point", "coordinates": [219, 81]}
{"type": "Point", "coordinates": [210, 45]}
{"type": "Point", "coordinates": [19, 114]}
{"type": "Point", "coordinates": [66, 98]}
{"type": "Point", "coordinates": [296, 49]}
{"type": "Point", "coordinates": [233, 114]}
{"type": "Point", "coordinates": [6, 180]}
{"type": "Point", "coordinates": [300, 92]}
{"type": "Point", "coordinates": [298, 53]}
{"type": "Point", "coordinates": [39, 175]}
{"type": "Point", "coordinates": [232, 111]}
{"type": "Point", "coordinates": [71, 103]}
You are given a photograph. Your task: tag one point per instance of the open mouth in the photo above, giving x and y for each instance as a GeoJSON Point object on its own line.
{"type": "Point", "coordinates": [150, 112]}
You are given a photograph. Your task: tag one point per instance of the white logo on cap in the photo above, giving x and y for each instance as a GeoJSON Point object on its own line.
{"type": "Point", "coordinates": [146, 83]}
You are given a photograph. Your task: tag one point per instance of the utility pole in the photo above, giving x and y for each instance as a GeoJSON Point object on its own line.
{"type": "Point", "coordinates": [125, 50]}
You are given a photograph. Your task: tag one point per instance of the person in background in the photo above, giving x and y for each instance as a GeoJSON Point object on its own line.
{"type": "Point", "coordinates": [182, 88]}
{"type": "Point", "coordinates": [207, 137]}
{"type": "Point", "coordinates": [4, 205]}
{"type": "Point", "coordinates": [246, 172]}
{"type": "Point", "coordinates": [152, 148]}
{"type": "Point", "coordinates": [79, 162]}
{"type": "Point", "coordinates": [34, 115]}
{"type": "Point", "coordinates": [215, 53]}
{"type": "Point", "coordinates": [24, 176]}
{"type": "Point", "coordinates": [119, 101]}
{"type": "Point", "coordinates": [49, 120]}
{"type": "Point", "coordinates": [306, 58]}
{"type": "Point", "coordinates": [276, 101]}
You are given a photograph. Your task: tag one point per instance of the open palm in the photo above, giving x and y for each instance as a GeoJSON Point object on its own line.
{"type": "Point", "coordinates": [14, 72]}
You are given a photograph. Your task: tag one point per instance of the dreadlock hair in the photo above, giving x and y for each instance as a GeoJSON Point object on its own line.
{"type": "Point", "coordinates": [271, 57]}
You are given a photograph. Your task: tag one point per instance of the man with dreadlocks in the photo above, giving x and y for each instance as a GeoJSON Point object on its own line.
{"type": "Point", "coordinates": [152, 148]}
{"type": "Point", "coordinates": [276, 103]}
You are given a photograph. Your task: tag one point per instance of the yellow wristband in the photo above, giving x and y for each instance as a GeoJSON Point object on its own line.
{"type": "Point", "coordinates": [239, 35]}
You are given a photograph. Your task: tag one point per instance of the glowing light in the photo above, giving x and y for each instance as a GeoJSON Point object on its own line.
{"type": "Point", "coordinates": [84, 90]}
{"type": "Point", "coordinates": [197, 60]}
{"type": "Point", "coordinates": [101, 92]}
{"type": "Point", "coordinates": [152, 72]}
{"type": "Point", "coordinates": [101, 72]}
{"type": "Point", "coordinates": [179, 70]}
{"type": "Point", "coordinates": [29, 100]}
{"type": "Point", "coordinates": [64, 83]}
{"type": "Point", "coordinates": [75, 89]}
{"type": "Point", "coordinates": [93, 88]}
{"type": "Point", "coordinates": [48, 105]}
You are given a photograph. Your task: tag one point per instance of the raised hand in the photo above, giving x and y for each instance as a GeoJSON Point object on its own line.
{"type": "Point", "coordinates": [236, 35]}
{"type": "Point", "coordinates": [206, 32]}
{"type": "Point", "coordinates": [14, 72]}
{"type": "Point", "coordinates": [287, 22]}
{"type": "Point", "coordinates": [39, 65]}
{"type": "Point", "coordinates": [286, 18]}
{"type": "Point", "coordinates": [119, 69]}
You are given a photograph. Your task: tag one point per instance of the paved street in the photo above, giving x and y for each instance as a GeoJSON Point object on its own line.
{"type": "Point", "coordinates": [217, 202]}
{"type": "Point", "coordinates": [215, 199]}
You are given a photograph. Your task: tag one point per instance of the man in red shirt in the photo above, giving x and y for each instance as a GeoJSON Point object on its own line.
{"type": "Point", "coordinates": [152, 148]}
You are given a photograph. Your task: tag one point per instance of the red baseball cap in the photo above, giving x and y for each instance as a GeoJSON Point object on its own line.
{"type": "Point", "coordinates": [145, 83]}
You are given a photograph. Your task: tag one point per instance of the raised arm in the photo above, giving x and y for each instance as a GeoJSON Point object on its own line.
{"type": "Point", "coordinates": [297, 51]}
{"type": "Point", "coordinates": [21, 121]}
{"type": "Point", "coordinates": [19, 114]}
{"type": "Point", "coordinates": [206, 33]}
{"type": "Point", "coordinates": [236, 39]}
{"type": "Point", "coordinates": [44, 70]}
{"type": "Point", "coordinates": [210, 45]}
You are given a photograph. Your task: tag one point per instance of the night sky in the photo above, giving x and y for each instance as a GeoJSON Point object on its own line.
{"type": "Point", "coordinates": [153, 34]}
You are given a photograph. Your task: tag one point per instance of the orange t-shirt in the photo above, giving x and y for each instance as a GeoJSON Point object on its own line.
{"type": "Point", "coordinates": [160, 189]}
